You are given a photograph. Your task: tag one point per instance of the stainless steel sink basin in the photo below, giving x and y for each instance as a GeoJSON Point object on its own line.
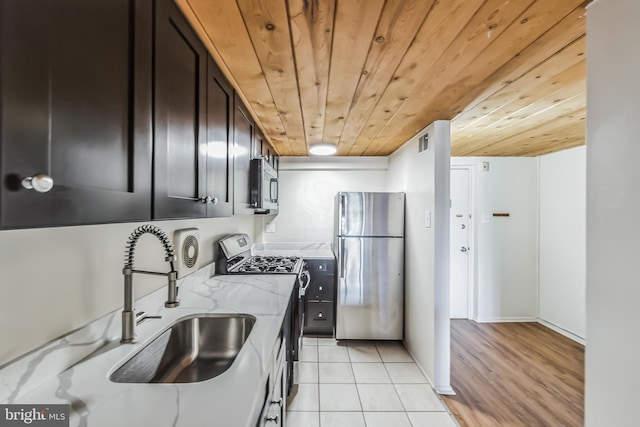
{"type": "Point", "coordinates": [193, 349]}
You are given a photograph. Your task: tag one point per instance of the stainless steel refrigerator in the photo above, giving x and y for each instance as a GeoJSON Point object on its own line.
{"type": "Point", "coordinates": [369, 247]}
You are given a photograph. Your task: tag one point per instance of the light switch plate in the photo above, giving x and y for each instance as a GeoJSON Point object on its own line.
{"type": "Point", "coordinates": [270, 228]}
{"type": "Point", "coordinates": [427, 219]}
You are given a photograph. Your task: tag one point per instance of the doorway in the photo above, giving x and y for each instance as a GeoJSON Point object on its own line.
{"type": "Point", "coordinates": [461, 236]}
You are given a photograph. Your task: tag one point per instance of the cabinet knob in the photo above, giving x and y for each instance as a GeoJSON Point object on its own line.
{"type": "Point", "coordinates": [213, 200]}
{"type": "Point", "coordinates": [273, 418]}
{"type": "Point", "coordinates": [277, 402]}
{"type": "Point", "coordinates": [320, 315]}
{"type": "Point", "coordinates": [40, 183]}
{"type": "Point", "coordinates": [204, 199]}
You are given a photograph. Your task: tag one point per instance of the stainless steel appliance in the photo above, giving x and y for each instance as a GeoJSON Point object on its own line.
{"type": "Point", "coordinates": [369, 247]}
{"type": "Point", "coordinates": [264, 186]}
{"type": "Point", "coordinates": [235, 257]}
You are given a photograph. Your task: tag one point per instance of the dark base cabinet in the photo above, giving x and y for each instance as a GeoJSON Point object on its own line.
{"type": "Point", "coordinates": [320, 307]}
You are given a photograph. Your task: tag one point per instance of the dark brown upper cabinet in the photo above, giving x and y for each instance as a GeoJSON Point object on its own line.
{"type": "Point", "coordinates": [219, 143]}
{"type": "Point", "coordinates": [193, 124]}
{"type": "Point", "coordinates": [243, 138]}
{"type": "Point", "coordinates": [180, 117]}
{"type": "Point", "coordinates": [75, 108]}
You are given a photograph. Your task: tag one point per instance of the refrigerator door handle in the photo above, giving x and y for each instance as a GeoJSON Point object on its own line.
{"type": "Point", "coordinates": [342, 258]}
{"type": "Point", "coordinates": [343, 214]}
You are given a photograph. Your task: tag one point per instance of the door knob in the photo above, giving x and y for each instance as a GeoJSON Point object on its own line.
{"type": "Point", "coordinates": [464, 249]}
{"type": "Point", "coordinates": [40, 183]}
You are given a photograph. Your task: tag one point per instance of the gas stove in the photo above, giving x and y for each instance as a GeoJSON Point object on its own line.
{"type": "Point", "coordinates": [269, 264]}
{"type": "Point", "coordinates": [235, 257]}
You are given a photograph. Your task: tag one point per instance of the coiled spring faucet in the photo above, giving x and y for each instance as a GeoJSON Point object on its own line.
{"type": "Point", "coordinates": [128, 313]}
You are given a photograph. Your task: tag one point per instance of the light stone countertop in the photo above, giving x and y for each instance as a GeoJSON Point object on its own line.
{"type": "Point", "coordinates": [302, 250]}
{"type": "Point", "coordinates": [232, 399]}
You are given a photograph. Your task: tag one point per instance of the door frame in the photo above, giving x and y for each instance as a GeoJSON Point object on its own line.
{"type": "Point", "coordinates": [471, 280]}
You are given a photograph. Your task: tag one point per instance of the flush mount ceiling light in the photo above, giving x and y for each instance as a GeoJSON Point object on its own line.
{"type": "Point", "coordinates": [322, 149]}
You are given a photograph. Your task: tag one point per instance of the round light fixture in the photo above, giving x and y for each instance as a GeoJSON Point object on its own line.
{"type": "Point", "coordinates": [322, 149]}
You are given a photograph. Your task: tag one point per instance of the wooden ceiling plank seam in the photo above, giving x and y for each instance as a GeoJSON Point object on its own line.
{"type": "Point", "coordinates": [397, 28]}
{"type": "Point", "coordinates": [568, 83]}
{"type": "Point", "coordinates": [516, 98]}
{"type": "Point", "coordinates": [270, 127]}
{"type": "Point", "coordinates": [491, 20]}
{"type": "Point", "coordinates": [543, 143]}
{"type": "Point", "coordinates": [493, 16]}
{"type": "Point", "coordinates": [538, 15]}
{"type": "Point", "coordinates": [538, 108]}
{"type": "Point", "coordinates": [551, 113]}
{"type": "Point", "coordinates": [561, 121]}
{"type": "Point", "coordinates": [406, 131]}
{"type": "Point", "coordinates": [269, 39]}
{"type": "Point", "coordinates": [314, 21]}
{"type": "Point", "coordinates": [347, 63]}
{"type": "Point", "coordinates": [440, 28]}
{"type": "Point", "coordinates": [564, 145]}
{"type": "Point", "coordinates": [505, 75]}
{"type": "Point", "coordinates": [540, 112]}
{"type": "Point", "coordinates": [566, 67]}
{"type": "Point", "coordinates": [533, 81]}
{"type": "Point", "coordinates": [513, 144]}
{"type": "Point", "coordinates": [530, 88]}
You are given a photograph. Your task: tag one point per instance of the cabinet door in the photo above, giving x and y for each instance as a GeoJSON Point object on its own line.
{"type": "Point", "coordinates": [75, 106]}
{"type": "Point", "coordinates": [219, 143]}
{"type": "Point", "coordinates": [243, 130]}
{"type": "Point", "coordinates": [259, 145]}
{"type": "Point", "coordinates": [180, 116]}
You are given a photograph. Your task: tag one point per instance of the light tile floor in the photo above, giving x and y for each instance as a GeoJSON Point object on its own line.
{"type": "Point", "coordinates": [363, 384]}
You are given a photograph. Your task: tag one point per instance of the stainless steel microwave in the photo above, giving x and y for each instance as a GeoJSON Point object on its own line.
{"type": "Point", "coordinates": [264, 186]}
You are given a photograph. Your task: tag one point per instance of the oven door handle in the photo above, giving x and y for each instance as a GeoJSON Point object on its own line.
{"type": "Point", "coordinates": [306, 278]}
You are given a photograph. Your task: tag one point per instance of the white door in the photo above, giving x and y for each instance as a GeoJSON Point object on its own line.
{"type": "Point", "coordinates": [460, 262]}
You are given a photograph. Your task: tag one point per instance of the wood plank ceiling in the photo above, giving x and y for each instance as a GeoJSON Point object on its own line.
{"type": "Point", "coordinates": [367, 75]}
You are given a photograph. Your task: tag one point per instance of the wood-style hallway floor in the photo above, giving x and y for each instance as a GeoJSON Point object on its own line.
{"type": "Point", "coordinates": [515, 375]}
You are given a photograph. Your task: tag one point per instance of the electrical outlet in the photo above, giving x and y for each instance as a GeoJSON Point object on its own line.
{"type": "Point", "coordinates": [485, 166]}
{"type": "Point", "coordinates": [270, 228]}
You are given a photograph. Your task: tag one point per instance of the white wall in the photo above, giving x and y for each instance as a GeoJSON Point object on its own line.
{"type": "Point", "coordinates": [506, 248]}
{"type": "Point", "coordinates": [308, 186]}
{"type": "Point", "coordinates": [563, 247]}
{"type": "Point", "coordinates": [425, 179]}
{"type": "Point", "coordinates": [613, 210]}
{"type": "Point", "coordinates": [55, 280]}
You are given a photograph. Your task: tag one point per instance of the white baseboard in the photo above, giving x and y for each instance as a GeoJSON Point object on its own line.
{"type": "Point", "coordinates": [443, 389]}
{"type": "Point", "coordinates": [446, 390]}
{"type": "Point", "coordinates": [505, 319]}
{"type": "Point", "coordinates": [564, 332]}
